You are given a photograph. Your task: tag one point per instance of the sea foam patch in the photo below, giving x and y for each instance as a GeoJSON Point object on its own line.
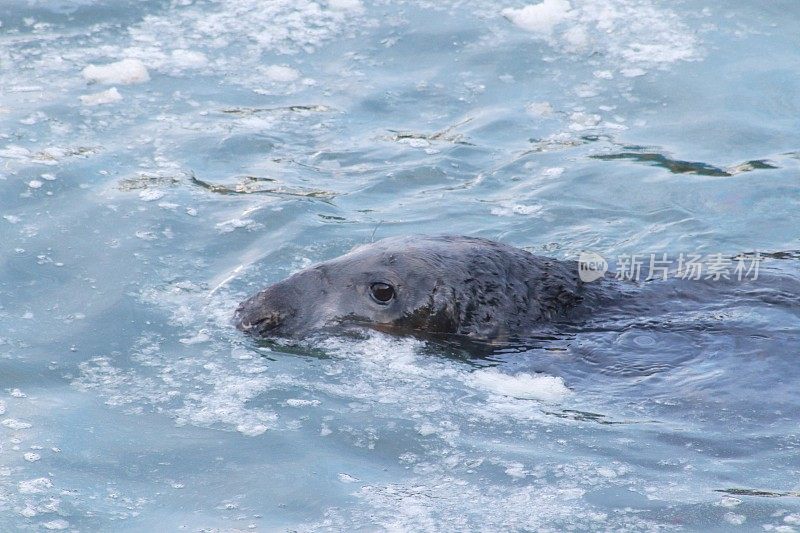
{"type": "Point", "coordinates": [103, 97]}
{"type": "Point", "coordinates": [629, 33]}
{"type": "Point", "coordinates": [522, 385]}
{"type": "Point", "coordinates": [540, 18]}
{"type": "Point", "coordinates": [125, 72]}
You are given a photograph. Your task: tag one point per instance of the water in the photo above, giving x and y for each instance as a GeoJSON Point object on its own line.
{"type": "Point", "coordinates": [263, 137]}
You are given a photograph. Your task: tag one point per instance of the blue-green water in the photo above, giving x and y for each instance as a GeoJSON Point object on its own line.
{"type": "Point", "coordinates": [250, 139]}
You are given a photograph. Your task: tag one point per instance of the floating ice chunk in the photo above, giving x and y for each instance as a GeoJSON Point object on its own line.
{"type": "Point", "coordinates": [26, 88]}
{"type": "Point", "coordinates": [417, 143]}
{"type": "Point", "coordinates": [16, 393]}
{"type": "Point", "coordinates": [658, 53]}
{"type": "Point", "coordinates": [426, 429]}
{"type": "Point", "coordinates": [729, 502]}
{"type": "Point", "coordinates": [146, 235]}
{"type": "Point", "coordinates": [189, 58]}
{"type": "Point", "coordinates": [606, 472]}
{"type": "Point", "coordinates": [298, 402]}
{"type": "Point", "coordinates": [103, 97]}
{"type": "Point", "coordinates": [633, 72]}
{"type": "Point", "coordinates": [552, 172]}
{"type": "Point", "coordinates": [583, 121]}
{"type": "Point", "coordinates": [347, 478]}
{"type": "Point", "coordinates": [539, 18]}
{"type": "Point", "coordinates": [35, 184]}
{"type": "Point", "coordinates": [539, 109]}
{"type": "Point", "coordinates": [516, 470]}
{"type": "Point", "coordinates": [505, 209]}
{"type": "Point", "coordinates": [577, 39]}
{"type": "Point", "coordinates": [56, 525]}
{"type": "Point", "coordinates": [251, 430]}
{"type": "Point", "coordinates": [33, 119]}
{"type": "Point", "coordinates": [345, 5]}
{"type": "Point", "coordinates": [150, 195]}
{"type": "Point", "coordinates": [528, 386]}
{"type": "Point", "coordinates": [28, 511]}
{"type": "Point", "coordinates": [31, 457]}
{"type": "Point", "coordinates": [12, 219]}
{"type": "Point", "coordinates": [2, 407]}
{"type": "Point", "coordinates": [34, 486]}
{"type": "Point", "coordinates": [586, 90]}
{"type": "Point", "coordinates": [230, 225]}
{"type": "Point", "coordinates": [735, 519]}
{"type": "Point", "coordinates": [13, 423]}
{"type": "Point", "coordinates": [13, 151]}
{"type": "Point", "coordinates": [200, 337]}
{"type": "Point", "coordinates": [124, 72]}
{"type": "Point", "coordinates": [280, 73]}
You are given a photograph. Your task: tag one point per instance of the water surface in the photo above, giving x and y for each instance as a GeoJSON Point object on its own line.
{"type": "Point", "coordinates": [269, 136]}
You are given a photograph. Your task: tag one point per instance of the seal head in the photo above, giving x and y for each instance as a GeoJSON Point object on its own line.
{"type": "Point", "coordinates": [450, 284]}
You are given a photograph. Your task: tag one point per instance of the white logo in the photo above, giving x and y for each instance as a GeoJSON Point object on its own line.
{"type": "Point", "coordinates": [591, 266]}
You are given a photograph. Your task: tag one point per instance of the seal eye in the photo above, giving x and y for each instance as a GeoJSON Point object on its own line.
{"type": "Point", "coordinates": [381, 292]}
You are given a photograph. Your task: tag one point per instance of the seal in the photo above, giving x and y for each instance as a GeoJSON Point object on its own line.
{"type": "Point", "coordinates": [456, 285]}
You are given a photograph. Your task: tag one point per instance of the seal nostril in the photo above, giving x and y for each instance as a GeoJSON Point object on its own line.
{"type": "Point", "coordinates": [260, 323]}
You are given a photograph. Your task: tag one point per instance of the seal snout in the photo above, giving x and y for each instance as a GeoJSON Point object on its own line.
{"type": "Point", "coordinates": [260, 314]}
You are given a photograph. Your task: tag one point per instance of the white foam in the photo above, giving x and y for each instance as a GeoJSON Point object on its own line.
{"type": "Point", "coordinates": [516, 470]}
{"type": "Point", "coordinates": [13, 151]}
{"type": "Point", "coordinates": [539, 18]}
{"type": "Point", "coordinates": [241, 32]}
{"type": "Point", "coordinates": [634, 72]}
{"type": "Point", "coordinates": [125, 72]}
{"type": "Point", "coordinates": [233, 224]}
{"type": "Point", "coordinates": [345, 5]}
{"type": "Point", "coordinates": [103, 97]}
{"type": "Point", "coordinates": [583, 121]}
{"type": "Point", "coordinates": [527, 386]}
{"type": "Point", "coordinates": [56, 525]}
{"type": "Point", "coordinates": [735, 519]}
{"type": "Point", "coordinates": [539, 109]}
{"type": "Point", "coordinates": [440, 500]}
{"type": "Point", "coordinates": [511, 208]}
{"type": "Point", "coordinates": [35, 486]}
{"type": "Point", "coordinates": [13, 423]}
{"type": "Point", "coordinates": [189, 58]}
{"type": "Point", "coordinates": [150, 195]}
{"type": "Point", "coordinates": [299, 402]}
{"type": "Point", "coordinates": [280, 73]}
{"type": "Point", "coordinates": [630, 34]}
{"type": "Point", "coordinates": [577, 39]}
{"type": "Point", "coordinates": [347, 478]}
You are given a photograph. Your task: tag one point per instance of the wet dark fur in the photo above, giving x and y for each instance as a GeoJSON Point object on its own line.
{"type": "Point", "coordinates": [457, 285]}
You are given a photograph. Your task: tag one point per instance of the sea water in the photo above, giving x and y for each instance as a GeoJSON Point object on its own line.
{"type": "Point", "coordinates": [161, 160]}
